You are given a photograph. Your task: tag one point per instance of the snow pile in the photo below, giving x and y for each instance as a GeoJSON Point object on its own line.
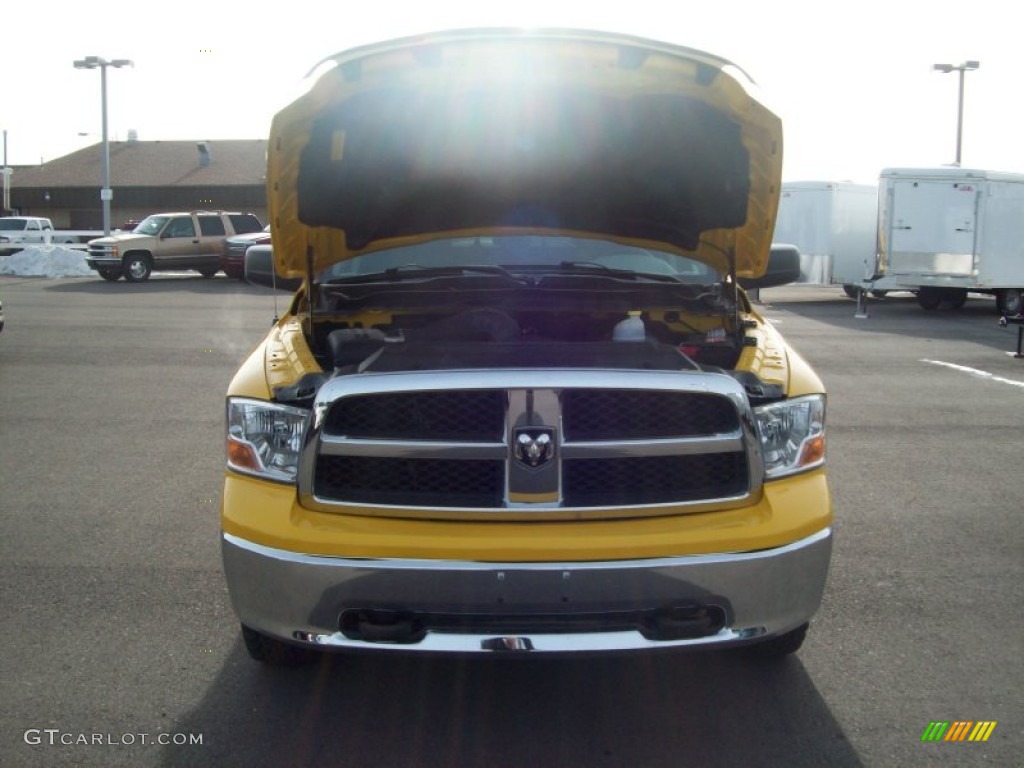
{"type": "Point", "coordinates": [46, 261]}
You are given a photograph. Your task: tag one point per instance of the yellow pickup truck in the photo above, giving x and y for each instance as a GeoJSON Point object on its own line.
{"type": "Point", "coordinates": [521, 402]}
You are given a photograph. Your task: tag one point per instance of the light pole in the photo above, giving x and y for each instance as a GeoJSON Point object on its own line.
{"type": "Point", "coordinates": [961, 68]}
{"type": "Point", "coordinates": [7, 180]}
{"type": "Point", "coordinates": [91, 62]}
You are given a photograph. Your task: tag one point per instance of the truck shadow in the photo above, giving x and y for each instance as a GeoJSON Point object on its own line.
{"type": "Point", "coordinates": [654, 710]}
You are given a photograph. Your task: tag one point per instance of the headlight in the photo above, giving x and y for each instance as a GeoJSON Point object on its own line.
{"type": "Point", "coordinates": [792, 435]}
{"type": "Point", "coordinates": [264, 439]}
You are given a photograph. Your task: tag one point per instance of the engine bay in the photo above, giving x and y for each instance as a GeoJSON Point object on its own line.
{"type": "Point", "coordinates": [496, 338]}
{"type": "Point", "coordinates": [486, 338]}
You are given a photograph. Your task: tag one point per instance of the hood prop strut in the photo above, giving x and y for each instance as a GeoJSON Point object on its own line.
{"type": "Point", "coordinates": [737, 322]}
{"type": "Point", "coordinates": [310, 290]}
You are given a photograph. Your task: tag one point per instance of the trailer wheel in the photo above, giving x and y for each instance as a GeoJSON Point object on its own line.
{"type": "Point", "coordinates": [1010, 301]}
{"type": "Point", "coordinates": [850, 290]}
{"type": "Point", "coordinates": [955, 298]}
{"type": "Point", "coordinates": [879, 294]}
{"type": "Point", "coordinates": [929, 298]}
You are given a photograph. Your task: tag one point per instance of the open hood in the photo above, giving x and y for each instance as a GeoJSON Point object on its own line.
{"type": "Point", "coordinates": [476, 132]}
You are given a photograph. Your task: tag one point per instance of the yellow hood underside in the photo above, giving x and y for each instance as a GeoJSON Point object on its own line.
{"type": "Point", "coordinates": [525, 132]}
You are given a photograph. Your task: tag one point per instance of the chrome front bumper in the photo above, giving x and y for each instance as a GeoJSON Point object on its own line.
{"type": "Point", "coordinates": [302, 598]}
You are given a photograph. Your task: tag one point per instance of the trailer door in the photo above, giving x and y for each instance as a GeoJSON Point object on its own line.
{"type": "Point", "coordinates": [932, 227]}
{"type": "Point", "coordinates": [803, 220]}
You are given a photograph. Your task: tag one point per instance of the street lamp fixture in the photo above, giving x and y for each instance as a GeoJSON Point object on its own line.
{"type": "Point", "coordinates": [961, 68]}
{"type": "Point", "coordinates": [92, 62]}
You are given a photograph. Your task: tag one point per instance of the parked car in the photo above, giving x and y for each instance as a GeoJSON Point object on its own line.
{"type": "Point", "coordinates": [232, 260]}
{"type": "Point", "coordinates": [19, 232]}
{"type": "Point", "coordinates": [169, 241]}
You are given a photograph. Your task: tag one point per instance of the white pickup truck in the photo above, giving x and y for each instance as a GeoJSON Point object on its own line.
{"type": "Point", "coordinates": [19, 232]}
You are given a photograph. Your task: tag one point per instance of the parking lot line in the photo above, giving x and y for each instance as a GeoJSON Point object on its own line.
{"type": "Point", "coordinates": [975, 372]}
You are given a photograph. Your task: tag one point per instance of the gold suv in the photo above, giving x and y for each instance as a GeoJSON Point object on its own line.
{"type": "Point", "coordinates": [168, 241]}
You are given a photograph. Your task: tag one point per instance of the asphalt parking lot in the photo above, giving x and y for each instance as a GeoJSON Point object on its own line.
{"type": "Point", "coordinates": [119, 646]}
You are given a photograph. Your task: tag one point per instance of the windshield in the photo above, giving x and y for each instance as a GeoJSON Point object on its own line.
{"type": "Point", "coordinates": [12, 225]}
{"type": "Point", "coordinates": [524, 254]}
{"type": "Point", "coordinates": [151, 225]}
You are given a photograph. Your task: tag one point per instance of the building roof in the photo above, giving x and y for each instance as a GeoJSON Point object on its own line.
{"type": "Point", "coordinates": [232, 162]}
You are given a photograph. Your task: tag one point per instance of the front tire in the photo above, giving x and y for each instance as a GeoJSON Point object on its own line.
{"type": "Point", "coordinates": [113, 275]}
{"type": "Point", "coordinates": [779, 647]}
{"type": "Point", "coordinates": [274, 653]}
{"type": "Point", "coordinates": [137, 267]}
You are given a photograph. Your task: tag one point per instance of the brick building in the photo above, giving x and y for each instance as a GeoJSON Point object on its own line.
{"type": "Point", "coordinates": [146, 177]}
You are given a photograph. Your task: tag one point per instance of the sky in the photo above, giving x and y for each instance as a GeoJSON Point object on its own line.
{"type": "Point", "coordinates": [852, 80]}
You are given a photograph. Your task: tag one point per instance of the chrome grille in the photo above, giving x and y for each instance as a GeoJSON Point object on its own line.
{"type": "Point", "coordinates": [653, 479]}
{"type": "Point", "coordinates": [467, 415]}
{"type": "Point", "coordinates": [438, 482]}
{"type": "Point", "coordinates": [454, 443]}
{"type": "Point", "coordinates": [614, 414]}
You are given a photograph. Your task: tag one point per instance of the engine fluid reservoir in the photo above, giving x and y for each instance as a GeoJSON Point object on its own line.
{"type": "Point", "coordinates": [630, 329]}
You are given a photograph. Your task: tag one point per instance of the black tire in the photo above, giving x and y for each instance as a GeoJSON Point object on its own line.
{"type": "Point", "coordinates": [929, 298]}
{"type": "Point", "coordinates": [1010, 301]}
{"type": "Point", "coordinates": [275, 653]}
{"type": "Point", "coordinates": [113, 275]}
{"type": "Point", "coordinates": [779, 647]}
{"type": "Point", "coordinates": [954, 298]}
{"type": "Point", "coordinates": [850, 291]}
{"type": "Point", "coordinates": [879, 294]}
{"type": "Point", "coordinates": [208, 273]}
{"type": "Point", "coordinates": [137, 267]}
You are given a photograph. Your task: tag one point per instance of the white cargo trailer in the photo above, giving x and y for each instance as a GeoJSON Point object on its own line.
{"type": "Point", "coordinates": [833, 224]}
{"type": "Point", "coordinates": [945, 232]}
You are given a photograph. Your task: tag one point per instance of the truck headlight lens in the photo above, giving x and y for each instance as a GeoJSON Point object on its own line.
{"type": "Point", "coordinates": [264, 439]}
{"type": "Point", "coordinates": [792, 435]}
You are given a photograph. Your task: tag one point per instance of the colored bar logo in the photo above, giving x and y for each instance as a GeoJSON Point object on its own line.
{"type": "Point", "coordinates": [958, 730]}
